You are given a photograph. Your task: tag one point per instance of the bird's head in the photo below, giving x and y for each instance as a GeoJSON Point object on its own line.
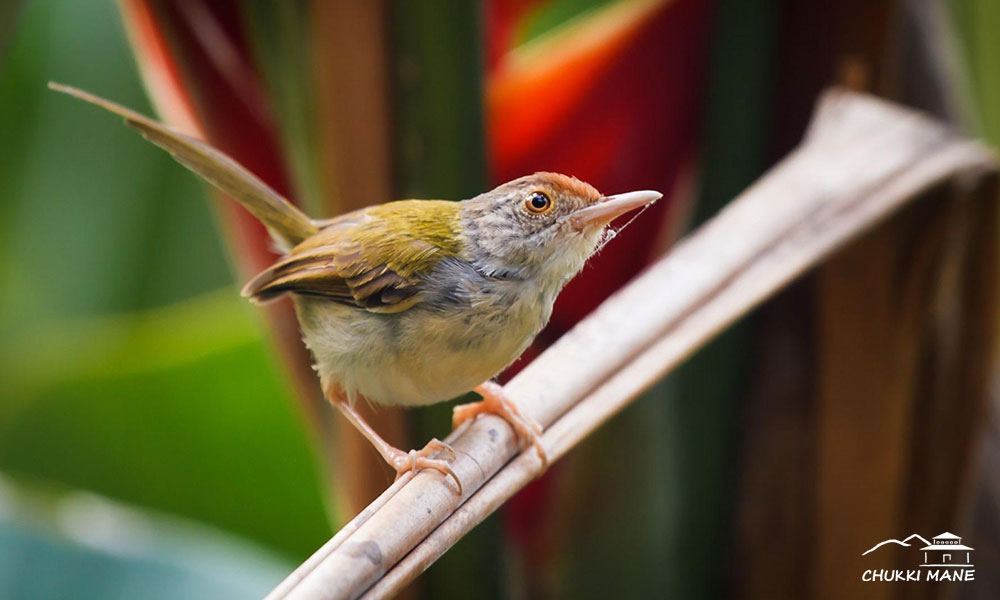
{"type": "Point", "coordinates": [542, 226]}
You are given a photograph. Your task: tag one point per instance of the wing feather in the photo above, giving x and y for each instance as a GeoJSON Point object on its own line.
{"type": "Point", "coordinates": [376, 259]}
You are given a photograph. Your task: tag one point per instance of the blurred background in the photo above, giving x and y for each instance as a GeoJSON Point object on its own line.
{"type": "Point", "coordinates": [161, 438]}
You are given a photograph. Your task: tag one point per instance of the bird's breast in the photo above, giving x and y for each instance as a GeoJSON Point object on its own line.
{"type": "Point", "coordinates": [429, 353]}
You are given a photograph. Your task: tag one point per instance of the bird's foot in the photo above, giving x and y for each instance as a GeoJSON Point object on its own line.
{"type": "Point", "coordinates": [415, 460]}
{"type": "Point", "coordinates": [495, 402]}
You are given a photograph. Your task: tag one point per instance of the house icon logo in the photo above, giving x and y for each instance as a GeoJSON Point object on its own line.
{"type": "Point", "coordinates": [944, 558]}
{"type": "Point", "coordinates": [947, 550]}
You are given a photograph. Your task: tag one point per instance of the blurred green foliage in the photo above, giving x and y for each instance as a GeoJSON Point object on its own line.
{"type": "Point", "coordinates": [131, 367]}
{"type": "Point", "coordinates": [283, 56]}
{"type": "Point", "coordinates": [550, 15]}
{"type": "Point", "coordinates": [976, 23]}
{"type": "Point", "coordinates": [439, 137]}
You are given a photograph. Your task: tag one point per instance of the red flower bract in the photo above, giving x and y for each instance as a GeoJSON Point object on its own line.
{"type": "Point", "coordinates": [614, 99]}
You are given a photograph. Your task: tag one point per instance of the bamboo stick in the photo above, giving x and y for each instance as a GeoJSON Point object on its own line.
{"type": "Point", "coordinates": [862, 159]}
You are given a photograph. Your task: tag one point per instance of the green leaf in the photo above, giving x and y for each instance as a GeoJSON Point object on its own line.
{"type": "Point", "coordinates": [976, 22]}
{"type": "Point", "coordinates": [439, 97]}
{"type": "Point", "coordinates": [178, 408]}
{"type": "Point", "coordinates": [114, 381]}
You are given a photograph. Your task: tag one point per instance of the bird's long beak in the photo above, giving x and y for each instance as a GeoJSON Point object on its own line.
{"type": "Point", "coordinates": [609, 207]}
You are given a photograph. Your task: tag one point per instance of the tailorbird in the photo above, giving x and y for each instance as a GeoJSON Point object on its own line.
{"type": "Point", "coordinates": [415, 302]}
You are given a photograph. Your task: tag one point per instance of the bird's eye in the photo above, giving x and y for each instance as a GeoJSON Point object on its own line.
{"type": "Point", "coordinates": [537, 203]}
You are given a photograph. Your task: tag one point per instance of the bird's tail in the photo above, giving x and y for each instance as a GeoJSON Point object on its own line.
{"type": "Point", "coordinates": [287, 224]}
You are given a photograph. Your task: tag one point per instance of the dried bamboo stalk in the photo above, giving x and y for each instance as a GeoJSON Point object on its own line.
{"type": "Point", "coordinates": [862, 159]}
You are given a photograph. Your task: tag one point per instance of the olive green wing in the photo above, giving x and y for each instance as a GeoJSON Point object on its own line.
{"type": "Point", "coordinates": [376, 259]}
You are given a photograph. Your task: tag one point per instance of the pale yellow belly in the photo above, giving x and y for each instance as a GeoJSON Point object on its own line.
{"type": "Point", "coordinates": [412, 358]}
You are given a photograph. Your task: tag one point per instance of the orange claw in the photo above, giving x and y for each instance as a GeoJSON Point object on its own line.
{"type": "Point", "coordinates": [495, 402]}
{"type": "Point", "coordinates": [415, 460]}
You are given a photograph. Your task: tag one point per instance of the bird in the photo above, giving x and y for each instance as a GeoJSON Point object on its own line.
{"type": "Point", "coordinates": [414, 302]}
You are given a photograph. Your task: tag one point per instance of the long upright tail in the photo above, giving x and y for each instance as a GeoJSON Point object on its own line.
{"type": "Point", "coordinates": [287, 224]}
